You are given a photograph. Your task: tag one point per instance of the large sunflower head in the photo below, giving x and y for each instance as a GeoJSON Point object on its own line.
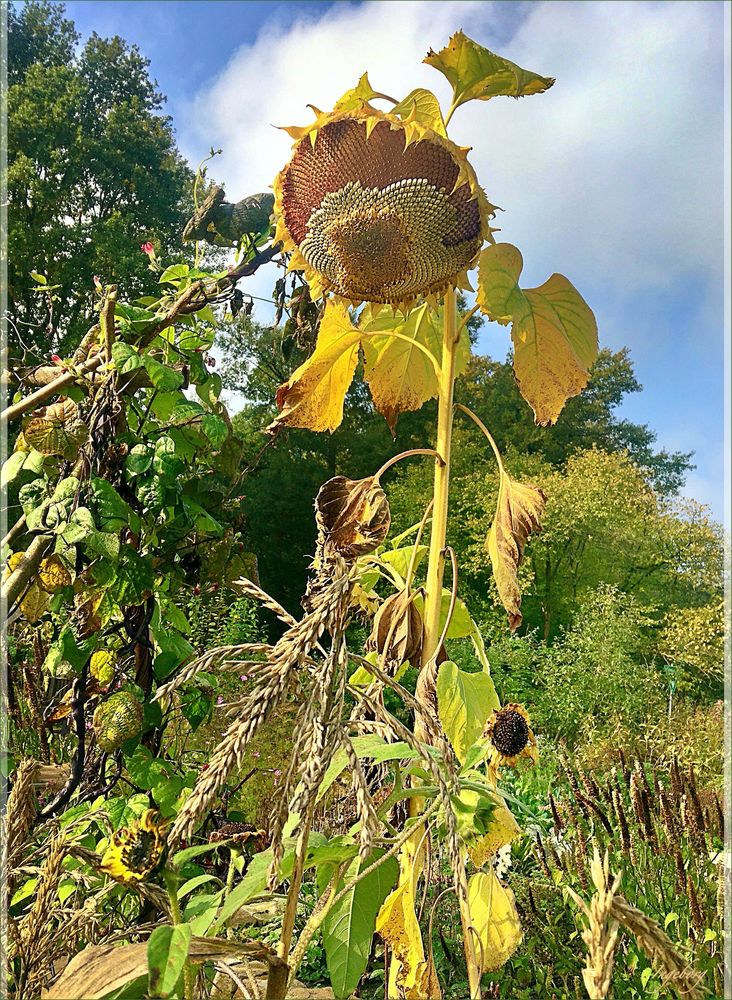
{"type": "Point", "coordinates": [376, 208]}
{"type": "Point", "coordinates": [136, 851]}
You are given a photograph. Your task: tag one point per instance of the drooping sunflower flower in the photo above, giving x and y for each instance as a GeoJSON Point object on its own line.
{"type": "Point", "coordinates": [378, 208]}
{"type": "Point", "coordinates": [508, 730]}
{"type": "Point", "coordinates": [136, 851]}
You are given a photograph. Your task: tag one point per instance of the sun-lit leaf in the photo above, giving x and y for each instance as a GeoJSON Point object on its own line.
{"type": "Point", "coordinates": [349, 926]}
{"type": "Point", "coordinates": [362, 93]}
{"type": "Point", "coordinates": [53, 574]}
{"type": "Point", "coordinates": [464, 703]}
{"type": "Point", "coordinates": [57, 429]}
{"type": "Point", "coordinates": [401, 376]}
{"type": "Point", "coordinates": [313, 395]}
{"type": "Point", "coordinates": [553, 330]}
{"type": "Point", "coordinates": [421, 106]}
{"type": "Point", "coordinates": [518, 512]}
{"type": "Point", "coordinates": [493, 914]}
{"type": "Point", "coordinates": [502, 829]}
{"type": "Point", "coordinates": [476, 73]}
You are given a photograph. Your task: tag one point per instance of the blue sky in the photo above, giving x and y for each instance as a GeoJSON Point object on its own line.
{"type": "Point", "coordinates": [614, 177]}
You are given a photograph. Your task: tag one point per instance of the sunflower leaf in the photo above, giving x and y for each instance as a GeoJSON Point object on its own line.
{"type": "Point", "coordinates": [313, 395]}
{"type": "Point", "coordinates": [477, 74]}
{"type": "Point", "coordinates": [518, 513]}
{"type": "Point", "coordinates": [493, 914]}
{"type": "Point", "coordinates": [421, 106]}
{"type": "Point", "coordinates": [400, 372]}
{"type": "Point", "coordinates": [554, 331]}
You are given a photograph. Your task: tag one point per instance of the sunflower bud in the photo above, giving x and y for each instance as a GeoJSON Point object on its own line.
{"type": "Point", "coordinates": [397, 631]}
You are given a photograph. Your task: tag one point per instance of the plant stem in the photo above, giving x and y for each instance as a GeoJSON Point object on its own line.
{"type": "Point", "coordinates": [171, 880]}
{"type": "Point", "coordinates": [435, 572]}
{"type": "Point", "coordinates": [436, 564]}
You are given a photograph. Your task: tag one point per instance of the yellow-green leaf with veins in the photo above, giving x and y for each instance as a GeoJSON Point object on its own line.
{"type": "Point", "coordinates": [554, 331]}
{"type": "Point", "coordinates": [313, 395]}
{"type": "Point", "coordinates": [495, 919]}
{"type": "Point", "coordinates": [362, 93]}
{"type": "Point", "coordinates": [479, 74]}
{"type": "Point", "coordinates": [421, 106]}
{"type": "Point", "coordinates": [518, 513]}
{"type": "Point", "coordinates": [400, 374]}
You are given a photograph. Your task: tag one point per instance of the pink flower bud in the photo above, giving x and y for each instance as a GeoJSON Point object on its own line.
{"type": "Point", "coordinates": [56, 359]}
{"type": "Point", "coordinates": [147, 248]}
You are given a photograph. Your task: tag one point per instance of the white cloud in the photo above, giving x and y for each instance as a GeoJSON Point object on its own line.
{"type": "Point", "coordinates": [614, 176]}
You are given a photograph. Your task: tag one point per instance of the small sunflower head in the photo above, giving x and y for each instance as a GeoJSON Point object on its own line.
{"type": "Point", "coordinates": [378, 209]}
{"type": "Point", "coordinates": [508, 730]}
{"type": "Point", "coordinates": [136, 851]}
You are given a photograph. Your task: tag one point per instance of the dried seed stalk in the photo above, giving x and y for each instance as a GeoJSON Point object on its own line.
{"type": "Point", "coordinates": [672, 966]}
{"type": "Point", "coordinates": [600, 935]}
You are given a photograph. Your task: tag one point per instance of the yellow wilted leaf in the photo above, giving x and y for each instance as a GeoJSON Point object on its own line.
{"type": "Point", "coordinates": [411, 973]}
{"type": "Point", "coordinates": [477, 73]}
{"type": "Point", "coordinates": [313, 396]}
{"type": "Point", "coordinates": [400, 374]}
{"type": "Point", "coordinates": [102, 665]}
{"type": "Point", "coordinates": [494, 917]}
{"type": "Point", "coordinates": [553, 330]}
{"type": "Point", "coordinates": [57, 429]}
{"type": "Point", "coordinates": [35, 603]}
{"type": "Point", "coordinates": [360, 94]}
{"type": "Point", "coordinates": [53, 575]}
{"type": "Point", "coordinates": [421, 106]}
{"type": "Point", "coordinates": [502, 830]}
{"type": "Point", "coordinates": [518, 513]}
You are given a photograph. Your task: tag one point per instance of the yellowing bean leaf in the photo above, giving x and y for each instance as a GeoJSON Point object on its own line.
{"type": "Point", "coordinates": [478, 74]}
{"type": "Point", "coordinates": [553, 330]}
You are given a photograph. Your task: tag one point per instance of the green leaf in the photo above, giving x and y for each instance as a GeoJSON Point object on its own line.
{"type": "Point", "coordinates": [139, 459]}
{"type": "Point", "coordinates": [554, 331]}
{"type": "Point", "coordinates": [134, 579]}
{"type": "Point", "coordinates": [19, 462]}
{"type": "Point", "coordinates": [41, 279]}
{"type": "Point", "coordinates": [400, 559]}
{"type": "Point", "coordinates": [173, 274]}
{"type": "Point", "coordinates": [164, 378]}
{"type": "Point", "coordinates": [461, 624]}
{"type": "Point", "coordinates": [371, 747]}
{"type": "Point", "coordinates": [349, 926]}
{"type": "Point", "coordinates": [112, 512]}
{"type": "Point", "coordinates": [464, 701]}
{"type": "Point", "coordinates": [215, 429]}
{"type": "Point", "coordinates": [201, 910]}
{"type": "Point", "coordinates": [188, 853]}
{"type": "Point", "coordinates": [422, 106]}
{"type": "Point", "coordinates": [125, 358]}
{"type": "Point", "coordinates": [476, 73]}
{"type": "Point", "coordinates": [167, 952]}
{"type": "Point", "coordinates": [253, 883]}
{"type": "Point", "coordinates": [194, 883]}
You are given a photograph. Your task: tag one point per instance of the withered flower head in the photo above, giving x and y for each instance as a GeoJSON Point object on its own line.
{"type": "Point", "coordinates": [353, 515]}
{"type": "Point", "coordinates": [397, 631]}
{"type": "Point", "coordinates": [375, 208]}
{"type": "Point", "coordinates": [509, 731]}
{"type": "Point", "coordinates": [137, 850]}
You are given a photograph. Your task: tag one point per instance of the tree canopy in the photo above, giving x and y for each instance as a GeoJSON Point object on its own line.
{"type": "Point", "coordinates": [93, 172]}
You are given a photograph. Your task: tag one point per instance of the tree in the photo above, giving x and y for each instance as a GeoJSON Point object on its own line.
{"type": "Point", "coordinates": [93, 172]}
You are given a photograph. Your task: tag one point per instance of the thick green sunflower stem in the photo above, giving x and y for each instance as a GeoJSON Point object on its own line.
{"type": "Point", "coordinates": [435, 572]}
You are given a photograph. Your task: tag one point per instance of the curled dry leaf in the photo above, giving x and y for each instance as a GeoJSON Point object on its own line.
{"type": "Point", "coordinates": [57, 429]}
{"type": "Point", "coordinates": [518, 513]}
{"type": "Point", "coordinates": [353, 515]}
{"type": "Point", "coordinates": [397, 631]}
